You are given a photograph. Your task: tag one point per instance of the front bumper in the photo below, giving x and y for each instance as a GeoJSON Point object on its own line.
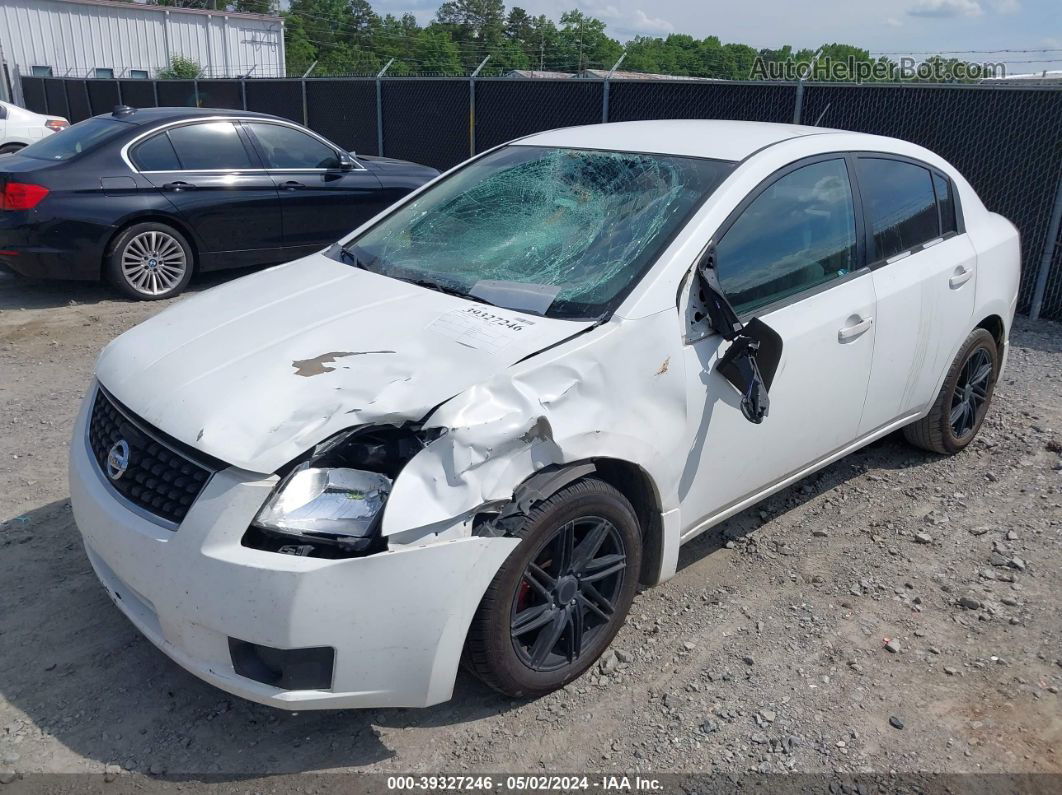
{"type": "Point", "coordinates": [397, 620]}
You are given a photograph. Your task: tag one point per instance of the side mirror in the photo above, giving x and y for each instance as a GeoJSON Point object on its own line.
{"type": "Point", "coordinates": [751, 361]}
{"type": "Point", "coordinates": [346, 163]}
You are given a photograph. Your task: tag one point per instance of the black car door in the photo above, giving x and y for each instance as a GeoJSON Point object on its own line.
{"type": "Point", "coordinates": [322, 198]}
{"type": "Point", "coordinates": [214, 179]}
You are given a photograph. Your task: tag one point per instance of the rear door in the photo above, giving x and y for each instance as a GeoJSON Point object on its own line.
{"type": "Point", "coordinates": [215, 181]}
{"type": "Point", "coordinates": [321, 201]}
{"type": "Point", "coordinates": [924, 269]}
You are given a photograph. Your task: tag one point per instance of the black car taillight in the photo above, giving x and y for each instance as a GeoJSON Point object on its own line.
{"type": "Point", "coordinates": [21, 196]}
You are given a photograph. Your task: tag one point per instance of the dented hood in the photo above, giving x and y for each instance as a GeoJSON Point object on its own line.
{"type": "Point", "coordinates": [256, 371]}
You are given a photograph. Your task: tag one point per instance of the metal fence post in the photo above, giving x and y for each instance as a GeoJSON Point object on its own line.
{"type": "Point", "coordinates": [379, 107]}
{"type": "Point", "coordinates": [798, 104]}
{"type": "Point", "coordinates": [1048, 256]}
{"type": "Point", "coordinates": [604, 92]}
{"type": "Point", "coordinates": [243, 91]}
{"type": "Point", "coordinates": [472, 108]}
{"type": "Point", "coordinates": [305, 110]}
{"type": "Point", "coordinates": [195, 85]}
{"type": "Point", "coordinates": [118, 88]}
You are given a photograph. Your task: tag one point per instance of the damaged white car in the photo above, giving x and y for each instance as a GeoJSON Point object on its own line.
{"type": "Point", "coordinates": [470, 431]}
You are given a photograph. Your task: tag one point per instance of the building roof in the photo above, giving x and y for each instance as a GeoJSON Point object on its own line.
{"type": "Point", "coordinates": [717, 139]}
{"type": "Point", "coordinates": [140, 6]}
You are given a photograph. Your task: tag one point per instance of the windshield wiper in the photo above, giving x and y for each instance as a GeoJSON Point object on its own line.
{"type": "Point", "coordinates": [443, 288]}
{"type": "Point", "coordinates": [348, 255]}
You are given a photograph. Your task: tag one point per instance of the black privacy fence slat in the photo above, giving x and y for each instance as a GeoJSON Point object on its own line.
{"type": "Point", "coordinates": [1007, 141]}
{"type": "Point", "coordinates": [77, 100]}
{"type": "Point", "coordinates": [277, 97]}
{"type": "Point", "coordinates": [135, 93]}
{"type": "Point", "coordinates": [343, 111]}
{"type": "Point", "coordinates": [33, 94]}
{"type": "Point", "coordinates": [630, 100]}
{"type": "Point", "coordinates": [103, 96]}
{"type": "Point", "coordinates": [55, 97]}
{"type": "Point", "coordinates": [507, 109]}
{"type": "Point", "coordinates": [426, 121]}
{"type": "Point", "coordinates": [220, 94]}
{"type": "Point", "coordinates": [176, 94]}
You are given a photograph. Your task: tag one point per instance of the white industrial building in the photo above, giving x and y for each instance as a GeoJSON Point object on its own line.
{"type": "Point", "coordinates": [103, 38]}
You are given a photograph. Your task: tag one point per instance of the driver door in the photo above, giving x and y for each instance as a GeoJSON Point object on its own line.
{"type": "Point", "coordinates": [792, 255]}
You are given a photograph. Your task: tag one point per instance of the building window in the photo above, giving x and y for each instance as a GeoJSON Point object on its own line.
{"type": "Point", "coordinates": [103, 74]}
{"type": "Point", "coordinates": [41, 71]}
{"type": "Point", "coordinates": [138, 74]}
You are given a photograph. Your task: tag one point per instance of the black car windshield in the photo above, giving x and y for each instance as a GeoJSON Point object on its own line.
{"type": "Point", "coordinates": [75, 140]}
{"type": "Point", "coordinates": [557, 232]}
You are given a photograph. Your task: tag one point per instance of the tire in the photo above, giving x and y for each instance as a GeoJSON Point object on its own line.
{"type": "Point", "coordinates": [511, 659]}
{"type": "Point", "coordinates": [8, 149]}
{"type": "Point", "coordinates": [960, 408]}
{"type": "Point", "coordinates": [150, 261]}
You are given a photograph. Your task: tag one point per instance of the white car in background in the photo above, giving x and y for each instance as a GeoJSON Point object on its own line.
{"type": "Point", "coordinates": [475, 427]}
{"type": "Point", "coordinates": [20, 127]}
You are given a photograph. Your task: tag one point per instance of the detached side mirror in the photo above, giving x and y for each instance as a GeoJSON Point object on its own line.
{"type": "Point", "coordinates": [751, 361]}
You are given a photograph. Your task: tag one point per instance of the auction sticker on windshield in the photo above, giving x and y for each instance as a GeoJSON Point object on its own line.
{"type": "Point", "coordinates": [479, 328]}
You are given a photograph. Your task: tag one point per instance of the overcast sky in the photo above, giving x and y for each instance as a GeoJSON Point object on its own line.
{"type": "Point", "coordinates": [879, 25]}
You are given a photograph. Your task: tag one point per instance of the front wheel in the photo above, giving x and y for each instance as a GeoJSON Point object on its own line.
{"type": "Point", "coordinates": [560, 598]}
{"type": "Point", "coordinates": [963, 401]}
{"type": "Point", "coordinates": [149, 262]}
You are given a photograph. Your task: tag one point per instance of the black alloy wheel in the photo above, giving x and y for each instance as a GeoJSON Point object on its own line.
{"type": "Point", "coordinates": [568, 593]}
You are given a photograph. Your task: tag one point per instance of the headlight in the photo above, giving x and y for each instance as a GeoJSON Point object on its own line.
{"type": "Point", "coordinates": [332, 503]}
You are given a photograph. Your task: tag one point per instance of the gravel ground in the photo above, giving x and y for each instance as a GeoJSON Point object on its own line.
{"type": "Point", "coordinates": [897, 611]}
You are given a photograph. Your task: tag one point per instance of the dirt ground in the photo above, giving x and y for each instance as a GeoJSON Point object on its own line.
{"type": "Point", "coordinates": [893, 589]}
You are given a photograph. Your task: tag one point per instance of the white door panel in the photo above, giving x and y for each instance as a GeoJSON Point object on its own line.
{"type": "Point", "coordinates": [816, 399]}
{"type": "Point", "coordinates": [925, 309]}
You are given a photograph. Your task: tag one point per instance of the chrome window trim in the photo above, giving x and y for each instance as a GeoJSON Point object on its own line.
{"type": "Point", "coordinates": [205, 119]}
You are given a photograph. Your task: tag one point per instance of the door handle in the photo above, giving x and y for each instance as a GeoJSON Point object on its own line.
{"type": "Point", "coordinates": [960, 278]}
{"type": "Point", "coordinates": [178, 186]}
{"type": "Point", "coordinates": [854, 330]}
{"type": "Point", "coordinates": [291, 185]}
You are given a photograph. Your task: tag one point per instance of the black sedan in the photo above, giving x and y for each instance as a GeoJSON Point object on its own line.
{"type": "Point", "coordinates": [145, 197]}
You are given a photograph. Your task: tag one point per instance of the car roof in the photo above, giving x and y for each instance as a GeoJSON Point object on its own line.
{"type": "Point", "coordinates": [710, 138]}
{"type": "Point", "coordinates": [141, 116]}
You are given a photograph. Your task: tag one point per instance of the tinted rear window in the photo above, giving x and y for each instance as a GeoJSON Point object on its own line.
{"type": "Point", "coordinates": [156, 154]}
{"type": "Point", "coordinates": [209, 145]}
{"type": "Point", "coordinates": [901, 205]}
{"type": "Point", "coordinates": [946, 200]}
{"type": "Point", "coordinates": [76, 139]}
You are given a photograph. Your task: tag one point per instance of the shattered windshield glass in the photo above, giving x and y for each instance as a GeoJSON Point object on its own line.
{"type": "Point", "coordinates": [556, 232]}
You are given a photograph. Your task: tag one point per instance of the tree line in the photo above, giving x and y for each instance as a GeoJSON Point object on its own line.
{"type": "Point", "coordinates": [349, 37]}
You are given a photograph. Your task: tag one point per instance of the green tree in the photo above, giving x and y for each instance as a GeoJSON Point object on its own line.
{"type": "Point", "coordinates": [180, 68]}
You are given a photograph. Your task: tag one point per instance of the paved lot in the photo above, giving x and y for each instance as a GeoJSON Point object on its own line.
{"type": "Point", "coordinates": [771, 650]}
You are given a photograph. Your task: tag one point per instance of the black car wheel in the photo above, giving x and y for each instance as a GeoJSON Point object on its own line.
{"type": "Point", "coordinates": [558, 601]}
{"type": "Point", "coordinates": [963, 401]}
{"type": "Point", "coordinates": [150, 261]}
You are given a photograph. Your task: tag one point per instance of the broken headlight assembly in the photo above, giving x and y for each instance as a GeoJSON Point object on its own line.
{"type": "Point", "coordinates": [329, 502]}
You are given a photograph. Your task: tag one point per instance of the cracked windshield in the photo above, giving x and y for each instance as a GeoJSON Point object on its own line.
{"type": "Point", "coordinates": [556, 232]}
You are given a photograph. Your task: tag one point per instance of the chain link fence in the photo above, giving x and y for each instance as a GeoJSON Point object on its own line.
{"type": "Point", "coordinates": [1007, 140]}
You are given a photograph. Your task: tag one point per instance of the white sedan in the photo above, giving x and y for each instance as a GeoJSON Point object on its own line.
{"type": "Point", "coordinates": [20, 127]}
{"type": "Point", "coordinates": [477, 425]}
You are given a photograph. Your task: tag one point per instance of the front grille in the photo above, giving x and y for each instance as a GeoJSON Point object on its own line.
{"type": "Point", "coordinates": [159, 477]}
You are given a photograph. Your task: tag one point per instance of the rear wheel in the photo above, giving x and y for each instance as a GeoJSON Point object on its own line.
{"type": "Point", "coordinates": [963, 401]}
{"type": "Point", "coordinates": [150, 261]}
{"type": "Point", "coordinates": [561, 597]}
{"type": "Point", "coordinates": [7, 149]}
